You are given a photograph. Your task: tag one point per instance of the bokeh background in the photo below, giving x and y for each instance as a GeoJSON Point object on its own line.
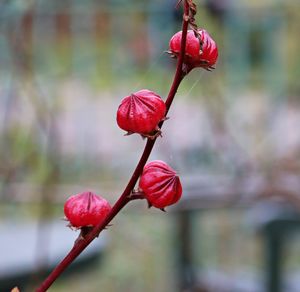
{"type": "Point", "coordinates": [233, 136]}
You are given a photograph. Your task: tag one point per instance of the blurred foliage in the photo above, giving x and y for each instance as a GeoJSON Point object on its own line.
{"type": "Point", "coordinates": [64, 67]}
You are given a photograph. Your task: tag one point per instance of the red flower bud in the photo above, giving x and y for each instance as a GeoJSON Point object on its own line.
{"type": "Point", "coordinates": [160, 184]}
{"type": "Point", "coordinates": [86, 209]}
{"type": "Point", "coordinates": [199, 52]}
{"type": "Point", "coordinates": [141, 112]}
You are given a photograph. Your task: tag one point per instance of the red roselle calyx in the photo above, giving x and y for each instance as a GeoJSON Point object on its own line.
{"type": "Point", "coordinates": [141, 113]}
{"type": "Point", "coordinates": [201, 51]}
{"type": "Point", "coordinates": [160, 184]}
{"type": "Point", "coordinates": [86, 209]}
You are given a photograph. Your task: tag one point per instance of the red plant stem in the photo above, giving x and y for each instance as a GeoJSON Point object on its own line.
{"type": "Point", "coordinates": [82, 243]}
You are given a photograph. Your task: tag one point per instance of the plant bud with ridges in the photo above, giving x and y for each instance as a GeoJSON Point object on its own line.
{"type": "Point", "coordinates": [201, 51]}
{"type": "Point", "coordinates": [160, 184]}
{"type": "Point", "coordinates": [141, 113]}
{"type": "Point", "coordinates": [86, 209]}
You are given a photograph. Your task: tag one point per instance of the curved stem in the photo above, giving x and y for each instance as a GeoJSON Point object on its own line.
{"type": "Point", "coordinates": [82, 242]}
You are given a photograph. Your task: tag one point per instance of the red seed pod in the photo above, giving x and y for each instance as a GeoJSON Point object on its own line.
{"type": "Point", "coordinates": [199, 52]}
{"type": "Point", "coordinates": [86, 209]}
{"type": "Point", "coordinates": [141, 112]}
{"type": "Point", "coordinates": [160, 184]}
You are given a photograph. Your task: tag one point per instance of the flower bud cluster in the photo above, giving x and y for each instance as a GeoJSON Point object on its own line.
{"type": "Point", "coordinates": [142, 112]}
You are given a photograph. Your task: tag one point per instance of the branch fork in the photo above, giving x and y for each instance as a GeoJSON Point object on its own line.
{"type": "Point", "coordinates": [88, 235]}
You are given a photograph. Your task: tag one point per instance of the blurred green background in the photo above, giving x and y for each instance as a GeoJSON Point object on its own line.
{"type": "Point", "coordinates": [64, 68]}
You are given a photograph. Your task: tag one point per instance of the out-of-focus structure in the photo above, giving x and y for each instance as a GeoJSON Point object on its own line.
{"type": "Point", "coordinates": [233, 134]}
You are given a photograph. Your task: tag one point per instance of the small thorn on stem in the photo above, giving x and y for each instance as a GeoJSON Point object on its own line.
{"type": "Point", "coordinates": [128, 133]}
{"type": "Point", "coordinates": [171, 54]}
{"type": "Point", "coordinates": [108, 225]}
{"type": "Point", "coordinates": [153, 135]}
{"type": "Point", "coordinates": [71, 227]}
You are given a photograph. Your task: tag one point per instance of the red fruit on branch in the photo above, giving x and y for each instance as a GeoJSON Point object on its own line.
{"type": "Point", "coordinates": [86, 209]}
{"type": "Point", "coordinates": [141, 113]}
{"type": "Point", "coordinates": [201, 51]}
{"type": "Point", "coordinates": [160, 184]}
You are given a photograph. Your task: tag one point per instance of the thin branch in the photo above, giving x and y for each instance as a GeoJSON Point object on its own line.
{"type": "Point", "coordinates": [82, 242]}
